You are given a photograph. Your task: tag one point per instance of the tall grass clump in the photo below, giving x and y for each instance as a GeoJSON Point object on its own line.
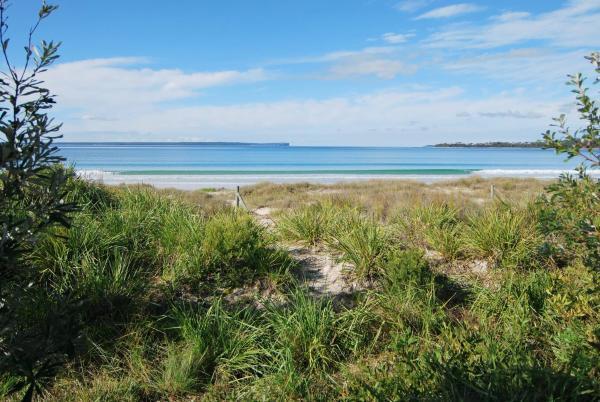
{"type": "Point", "coordinates": [408, 297]}
{"type": "Point", "coordinates": [219, 347]}
{"type": "Point", "coordinates": [306, 338]}
{"type": "Point", "coordinates": [361, 242]}
{"type": "Point", "coordinates": [310, 224]}
{"type": "Point", "coordinates": [504, 235]}
{"type": "Point", "coordinates": [180, 242]}
{"type": "Point", "coordinates": [433, 226]}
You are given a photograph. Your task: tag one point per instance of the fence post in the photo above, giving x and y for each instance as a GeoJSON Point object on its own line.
{"type": "Point", "coordinates": [237, 197]}
{"type": "Point", "coordinates": [492, 192]}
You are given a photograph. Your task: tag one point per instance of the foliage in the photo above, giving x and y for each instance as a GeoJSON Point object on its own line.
{"type": "Point", "coordinates": [569, 217]}
{"type": "Point", "coordinates": [435, 226]}
{"type": "Point", "coordinates": [35, 329]}
{"type": "Point", "coordinates": [135, 333]}
{"type": "Point", "coordinates": [31, 190]}
{"type": "Point", "coordinates": [502, 234]}
{"type": "Point", "coordinates": [311, 224]}
{"type": "Point", "coordinates": [362, 242]}
{"type": "Point", "coordinates": [235, 249]}
{"type": "Point", "coordinates": [583, 143]}
{"type": "Point", "coordinates": [570, 213]}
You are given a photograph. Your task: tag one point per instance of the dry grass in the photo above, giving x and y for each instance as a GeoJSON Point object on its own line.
{"type": "Point", "coordinates": [382, 197]}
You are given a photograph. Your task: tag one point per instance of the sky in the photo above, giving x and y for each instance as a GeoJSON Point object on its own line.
{"type": "Point", "coordinates": [312, 72]}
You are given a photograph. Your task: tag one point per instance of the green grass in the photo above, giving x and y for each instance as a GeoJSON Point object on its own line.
{"type": "Point", "coordinates": [435, 226]}
{"type": "Point", "coordinates": [502, 234]}
{"type": "Point", "coordinates": [363, 243]}
{"type": "Point", "coordinates": [133, 303]}
{"type": "Point", "coordinates": [311, 224]}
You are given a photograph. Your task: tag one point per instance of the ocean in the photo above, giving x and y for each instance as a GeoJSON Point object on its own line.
{"type": "Point", "coordinates": [197, 165]}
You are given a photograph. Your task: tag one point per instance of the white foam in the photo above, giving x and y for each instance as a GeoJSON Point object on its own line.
{"type": "Point", "coordinates": [193, 182]}
{"type": "Point", "coordinates": [533, 173]}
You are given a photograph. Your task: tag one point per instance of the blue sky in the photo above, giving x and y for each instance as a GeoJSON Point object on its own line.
{"type": "Point", "coordinates": [314, 72]}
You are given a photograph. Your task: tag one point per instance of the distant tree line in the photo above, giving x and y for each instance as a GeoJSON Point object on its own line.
{"type": "Point", "coordinates": [493, 144]}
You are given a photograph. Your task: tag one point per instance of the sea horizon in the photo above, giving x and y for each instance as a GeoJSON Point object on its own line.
{"type": "Point", "coordinates": [194, 165]}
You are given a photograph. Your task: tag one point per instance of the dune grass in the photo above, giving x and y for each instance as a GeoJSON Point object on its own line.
{"type": "Point", "coordinates": [133, 299]}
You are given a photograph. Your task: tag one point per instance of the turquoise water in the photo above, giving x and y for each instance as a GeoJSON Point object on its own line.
{"type": "Point", "coordinates": [199, 159]}
{"type": "Point", "coordinates": [193, 166]}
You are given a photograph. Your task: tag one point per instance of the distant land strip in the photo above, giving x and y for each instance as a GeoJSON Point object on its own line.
{"type": "Point", "coordinates": [492, 144]}
{"type": "Point", "coordinates": [298, 172]}
{"type": "Point", "coordinates": [171, 143]}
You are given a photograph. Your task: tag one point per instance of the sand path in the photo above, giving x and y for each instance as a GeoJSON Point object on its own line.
{"type": "Point", "coordinates": [320, 271]}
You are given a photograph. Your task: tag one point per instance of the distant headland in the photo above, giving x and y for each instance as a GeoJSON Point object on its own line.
{"type": "Point", "coordinates": [174, 143]}
{"type": "Point", "coordinates": [491, 144]}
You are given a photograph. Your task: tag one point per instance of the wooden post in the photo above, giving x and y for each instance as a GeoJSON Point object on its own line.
{"type": "Point", "coordinates": [492, 192]}
{"type": "Point", "coordinates": [237, 197]}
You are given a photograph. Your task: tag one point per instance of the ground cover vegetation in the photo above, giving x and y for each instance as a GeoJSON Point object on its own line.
{"type": "Point", "coordinates": [133, 293]}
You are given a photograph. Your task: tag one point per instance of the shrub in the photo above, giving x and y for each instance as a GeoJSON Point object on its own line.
{"type": "Point", "coordinates": [237, 250]}
{"type": "Point", "coordinates": [408, 298]}
{"type": "Point", "coordinates": [404, 267]}
{"type": "Point", "coordinates": [503, 235]}
{"type": "Point", "coordinates": [570, 216]}
{"type": "Point", "coordinates": [32, 191]}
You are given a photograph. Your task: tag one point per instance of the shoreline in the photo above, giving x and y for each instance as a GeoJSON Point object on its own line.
{"type": "Point", "coordinates": [194, 180]}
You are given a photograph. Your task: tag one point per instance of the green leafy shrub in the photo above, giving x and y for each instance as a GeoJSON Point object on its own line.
{"type": "Point", "coordinates": [406, 266]}
{"type": "Point", "coordinates": [570, 215]}
{"type": "Point", "coordinates": [237, 250]}
{"type": "Point", "coordinates": [408, 298]}
{"type": "Point", "coordinates": [32, 191]}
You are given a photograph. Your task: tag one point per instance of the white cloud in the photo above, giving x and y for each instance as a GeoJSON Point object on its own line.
{"type": "Point", "coordinates": [338, 55]}
{"type": "Point", "coordinates": [511, 16]}
{"type": "Point", "coordinates": [410, 6]}
{"type": "Point", "coordinates": [575, 24]}
{"type": "Point", "coordinates": [381, 68]}
{"type": "Point", "coordinates": [450, 11]}
{"type": "Point", "coordinates": [512, 114]}
{"type": "Point", "coordinates": [116, 83]}
{"type": "Point", "coordinates": [396, 38]}
{"type": "Point", "coordinates": [378, 61]}
{"type": "Point", "coordinates": [395, 117]}
{"type": "Point", "coordinates": [524, 66]}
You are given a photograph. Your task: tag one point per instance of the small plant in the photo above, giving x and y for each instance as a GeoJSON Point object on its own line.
{"type": "Point", "coordinates": [179, 371]}
{"type": "Point", "coordinates": [433, 226]}
{"type": "Point", "coordinates": [306, 338]}
{"type": "Point", "coordinates": [362, 242]}
{"type": "Point", "coordinates": [33, 187]}
{"type": "Point", "coordinates": [404, 267]}
{"type": "Point", "coordinates": [236, 250]}
{"type": "Point", "coordinates": [501, 234]}
{"type": "Point", "coordinates": [227, 346]}
{"type": "Point", "coordinates": [310, 224]}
